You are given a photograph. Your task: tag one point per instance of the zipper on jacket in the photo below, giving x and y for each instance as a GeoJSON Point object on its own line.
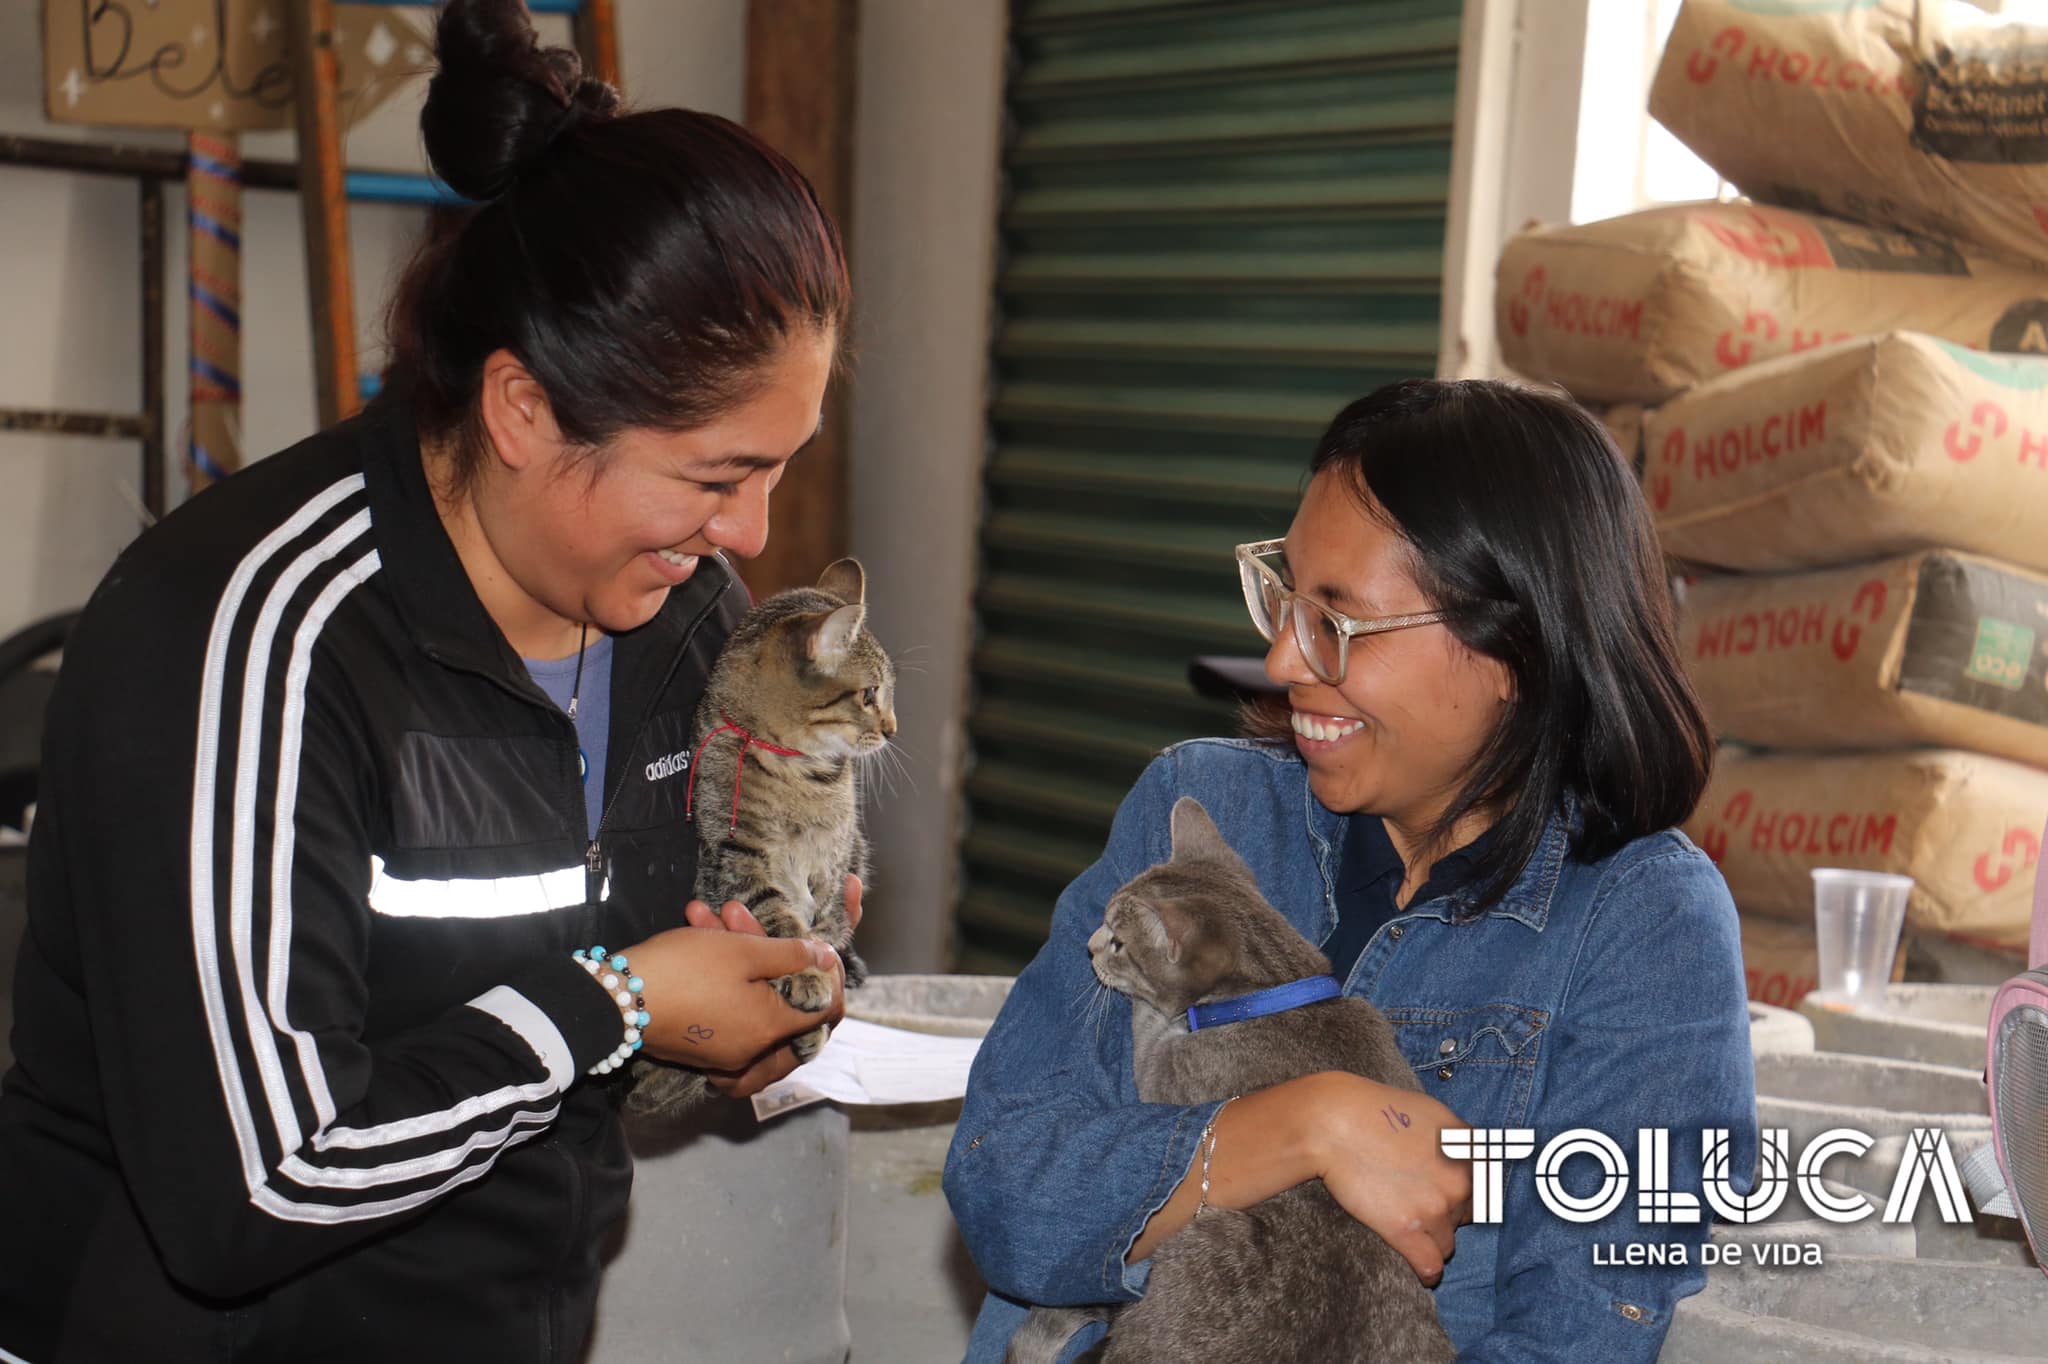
{"type": "Point", "coordinates": [593, 854]}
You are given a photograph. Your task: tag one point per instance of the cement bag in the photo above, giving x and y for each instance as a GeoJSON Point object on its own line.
{"type": "Point", "coordinates": [1928, 115]}
{"type": "Point", "coordinates": [1859, 450]}
{"type": "Point", "coordinates": [1965, 827]}
{"type": "Point", "coordinates": [1624, 422]}
{"type": "Point", "coordinates": [1780, 960]}
{"type": "Point", "coordinates": [1636, 308]}
{"type": "Point", "coordinates": [1931, 649]}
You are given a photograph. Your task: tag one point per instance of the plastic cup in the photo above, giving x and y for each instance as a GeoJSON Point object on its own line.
{"type": "Point", "coordinates": [1857, 916]}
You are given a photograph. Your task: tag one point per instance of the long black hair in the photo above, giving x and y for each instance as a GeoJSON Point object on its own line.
{"type": "Point", "coordinates": [646, 267]}
{"type": "Point", "coordinates": [1525, 525]}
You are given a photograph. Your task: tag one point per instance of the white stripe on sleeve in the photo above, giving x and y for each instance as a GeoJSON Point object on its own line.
{"type": "Point", "coordinates": [522, 1016]}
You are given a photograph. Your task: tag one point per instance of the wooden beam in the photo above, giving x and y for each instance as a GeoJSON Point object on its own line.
{"type": "Point", "coordinates": [323, 202]}
{"type": "Point", "coordinates": [597, 39]}
{"type": "Point", "coordinates": [801, 57]}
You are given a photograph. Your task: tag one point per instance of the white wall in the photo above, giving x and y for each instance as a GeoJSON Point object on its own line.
{"type": "Point", "coordinates": [923, 232]}
{"type": "Point", "coordinates": [70, 272]}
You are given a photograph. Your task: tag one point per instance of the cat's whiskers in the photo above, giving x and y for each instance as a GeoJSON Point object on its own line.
{"type": "Point", "coordinates": [1092, 1003]}
{"type": "Point", "coordinates": [892, 763]}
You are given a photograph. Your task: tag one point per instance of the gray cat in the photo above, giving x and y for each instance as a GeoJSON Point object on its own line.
{"type": "Point", "coordinates": [800, 693]}
{"type": "Point", "coordinates": [1296, 1277]}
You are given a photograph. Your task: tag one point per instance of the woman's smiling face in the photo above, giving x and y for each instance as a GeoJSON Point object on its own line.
{"type": "Point", "coordinates": [1397, 737]}
{"type": "Point", "coordinates": [606, 545]}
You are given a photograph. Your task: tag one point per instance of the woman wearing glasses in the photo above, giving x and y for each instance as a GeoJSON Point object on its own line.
{"type": "Point", "coordinates": [1469, 804]}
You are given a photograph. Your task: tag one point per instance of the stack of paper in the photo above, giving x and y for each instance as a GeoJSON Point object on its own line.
{"type": "Point", "coordinates": [865, 1063]}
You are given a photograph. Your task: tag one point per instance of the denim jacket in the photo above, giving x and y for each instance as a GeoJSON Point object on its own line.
{"type": "Point", "coordinates": [1605, 995]}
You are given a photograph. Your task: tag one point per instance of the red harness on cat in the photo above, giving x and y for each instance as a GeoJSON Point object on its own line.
{"type": "Point", "coordinates": [739, 769]}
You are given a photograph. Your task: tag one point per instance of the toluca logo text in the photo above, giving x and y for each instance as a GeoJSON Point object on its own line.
{"type": "Point", "coordinates": [1927, 1163]}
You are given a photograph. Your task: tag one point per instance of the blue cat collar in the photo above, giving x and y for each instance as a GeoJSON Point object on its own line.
{"type": "Point", "coordinates": [1275, 999]}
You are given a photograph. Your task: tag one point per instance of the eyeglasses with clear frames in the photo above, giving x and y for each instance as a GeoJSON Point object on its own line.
{"type": "Point", "coordinates": [1324, 635]}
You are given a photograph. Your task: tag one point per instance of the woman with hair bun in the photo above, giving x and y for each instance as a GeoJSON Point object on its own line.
{"type": "Point", "coordinates": [361, 867]}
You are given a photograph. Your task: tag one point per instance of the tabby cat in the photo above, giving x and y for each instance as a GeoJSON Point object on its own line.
{"type": "Point", "coordinates": [800, 694]}
{"type": "Point", "coordinates": [1295, 1277]}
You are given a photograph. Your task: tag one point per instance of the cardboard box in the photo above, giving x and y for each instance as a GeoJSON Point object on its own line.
{"type": "Point", "coordinates": [214, 65]}
{"type": "Point", "coordinates": [1870, 447]}
{"type": "Point", "coordinates": [1965, 827]}
{"type": "Point", "coordinates": [1930, 649]}
{"type": "Point", "coordinates": [1926, 115]}
{"type": "Point", "coordinates": [1637, 308]}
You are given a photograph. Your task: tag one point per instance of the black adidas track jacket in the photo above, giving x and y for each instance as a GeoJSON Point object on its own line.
{"type": "Point", "coordinates": [299, 1045]}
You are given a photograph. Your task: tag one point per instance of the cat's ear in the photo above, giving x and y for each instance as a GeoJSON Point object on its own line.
{"type": "Point", "coordinates": [845, 580]}
{"type": "Point", "coordinates": [1173, 925]}
{"type": "Point", "coordinates": [1195, 836]}
{"type": "Point", "coordinates": [833, 632]}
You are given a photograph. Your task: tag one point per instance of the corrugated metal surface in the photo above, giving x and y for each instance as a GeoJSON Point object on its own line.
{"type": "Point", "coordinates": [1222, 221]}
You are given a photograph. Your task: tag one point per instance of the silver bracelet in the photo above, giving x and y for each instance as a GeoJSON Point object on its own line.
{"type": "Point", "coordinates": [1208, 1145]}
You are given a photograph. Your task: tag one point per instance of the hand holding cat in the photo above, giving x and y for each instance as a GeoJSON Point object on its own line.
{"type": "Point", "coordinates": [1375, 1148]}
{"type": "Point", "coordinates": [712, 996]}
{"type": "Point", "coordinates": [765, 1070]}
{"type": "Point", "coordinates": [737, 918]}
{"type": "Point", "coordinates": [1334, 1126]}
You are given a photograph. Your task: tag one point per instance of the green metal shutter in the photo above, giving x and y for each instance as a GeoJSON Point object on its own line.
{"type": "Point", "coordinates": [1222, 222]}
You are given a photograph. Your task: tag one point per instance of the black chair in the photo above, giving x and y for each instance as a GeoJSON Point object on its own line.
{"type": "Point", "coordinates": [24, 697]}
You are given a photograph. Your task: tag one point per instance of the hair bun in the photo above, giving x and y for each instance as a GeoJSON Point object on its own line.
{"type": "Point", "coordinates": [499, 99]}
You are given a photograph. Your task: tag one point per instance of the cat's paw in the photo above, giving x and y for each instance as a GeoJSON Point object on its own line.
{"type": "Point", "coordinates": [661, 1091]}
{"type": "Point", "coordinates": [809, 990]}
{"type": "Point", "coordinates": [810, 1044]}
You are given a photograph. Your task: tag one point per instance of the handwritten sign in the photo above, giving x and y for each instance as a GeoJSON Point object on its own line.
{"type": "Point", "coordinates": [213, 65]}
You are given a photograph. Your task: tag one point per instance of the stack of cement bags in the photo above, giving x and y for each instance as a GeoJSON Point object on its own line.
{"type": "Point", "coordinates": [1640, 308]}
{"type": "Point", "coordinates": [1827, 416]}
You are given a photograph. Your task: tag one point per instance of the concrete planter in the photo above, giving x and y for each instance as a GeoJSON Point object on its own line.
{"type": "Point", "coordinates": [951, 1006]}
{"type": "Point", "coordinates": [1940, 1024]}
{"type": "Point", "coordinates": [911, 1288]}
{"type": "Point", "coordinates": [1861, 1309]}
{"type": "Point", "coordinates": [735, 1243]}
{"type": "Point", "coordinates": [815, 1237]}
{"type": "Point", "coordinates": [1774, 1029]}
{"type": "Point", "coordinates": [1808, 1094]}
{"type": "Point", "coordinates": [1873, 1083]}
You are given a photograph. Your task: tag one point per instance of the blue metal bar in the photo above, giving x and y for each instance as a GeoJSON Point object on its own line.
{"type": "Point", "coordinates": [390, 187]}
{"type": "Point", "coordinates": [536, 6]}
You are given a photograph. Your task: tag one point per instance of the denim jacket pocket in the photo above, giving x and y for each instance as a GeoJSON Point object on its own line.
{"type": "Point", "coordinates": [1479, 1062]}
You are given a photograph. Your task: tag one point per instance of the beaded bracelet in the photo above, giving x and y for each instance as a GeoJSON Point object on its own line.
{"type": "Point", "coordinates": [610, 972]}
